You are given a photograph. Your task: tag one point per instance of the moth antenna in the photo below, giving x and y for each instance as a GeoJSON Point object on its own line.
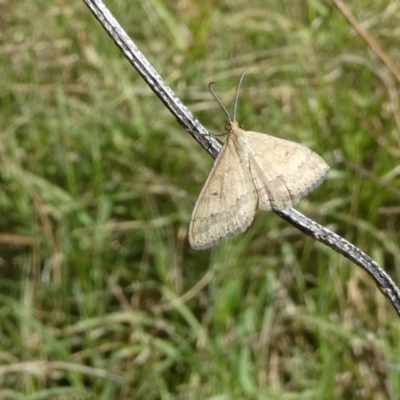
{"type": "Point", "coordinates": [219, 101]}
{"type": "Point", "coordinates": [238, 89]}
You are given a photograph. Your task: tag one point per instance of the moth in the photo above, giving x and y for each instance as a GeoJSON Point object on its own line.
{"type": "Point", "coordinates": [253, 171]}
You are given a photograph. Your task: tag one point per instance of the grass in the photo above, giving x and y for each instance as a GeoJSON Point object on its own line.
{"type": "Point", "coordinates": [101, 296]}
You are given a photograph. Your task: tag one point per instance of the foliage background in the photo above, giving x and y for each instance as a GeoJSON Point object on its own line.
{"type": "Point", "coordinates": [101, 296]}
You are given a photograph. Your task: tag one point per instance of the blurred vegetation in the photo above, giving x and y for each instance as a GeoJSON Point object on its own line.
{"type": "Point", "coordinates": [101, 296]}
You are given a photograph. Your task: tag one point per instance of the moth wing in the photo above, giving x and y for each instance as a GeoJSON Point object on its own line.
{"type": "Point", "coordinates": [227, 202]}
{"type": "Point", "coordinates": [282, 171]}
